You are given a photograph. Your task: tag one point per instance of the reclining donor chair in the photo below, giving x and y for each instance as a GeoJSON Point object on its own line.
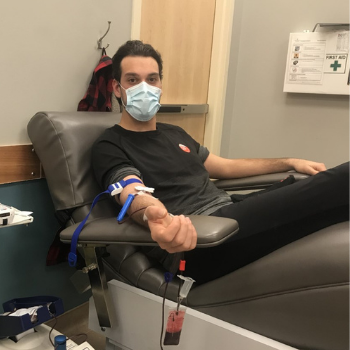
{"type": "Point", "coordinates": [297, 295]}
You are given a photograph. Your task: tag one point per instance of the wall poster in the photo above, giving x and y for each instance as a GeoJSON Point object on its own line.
{"type": "Point", "coordinates": [318, 62]}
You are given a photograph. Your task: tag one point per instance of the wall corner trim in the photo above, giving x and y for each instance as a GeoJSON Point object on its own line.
{"type": "Point", "coordinates": [218, 74]}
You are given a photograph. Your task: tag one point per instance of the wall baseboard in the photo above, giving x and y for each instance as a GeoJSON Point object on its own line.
{"type": "Point", "coordinates": [19, 163]}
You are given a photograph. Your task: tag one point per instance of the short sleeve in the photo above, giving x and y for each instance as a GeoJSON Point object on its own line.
{"type": "Point", "coordinates": [110, 163]}
{"type": "Point", "coordinates": [203, 153]}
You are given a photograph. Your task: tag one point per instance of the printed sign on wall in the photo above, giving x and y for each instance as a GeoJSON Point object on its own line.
{"type": "Point", "coordinates": [318, 62]}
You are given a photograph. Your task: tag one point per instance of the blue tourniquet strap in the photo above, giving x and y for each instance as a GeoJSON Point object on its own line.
{"type": "Point", "coordinates": [114, 189]}
{"type": "Point", "coordinates": [72, 256]}
{"type": "Point", "coordinates": [117, 188]}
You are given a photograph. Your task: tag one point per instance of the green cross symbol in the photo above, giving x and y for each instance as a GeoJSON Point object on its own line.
{"type": "Point", "coordinates": [335, 66]}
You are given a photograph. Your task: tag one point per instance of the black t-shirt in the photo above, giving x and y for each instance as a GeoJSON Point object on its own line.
{"type": "Point", "coordinates": [167, 159]}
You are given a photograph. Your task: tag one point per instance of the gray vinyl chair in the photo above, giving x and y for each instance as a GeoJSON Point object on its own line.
{"type": "Point", "coordinates": [298, 295]}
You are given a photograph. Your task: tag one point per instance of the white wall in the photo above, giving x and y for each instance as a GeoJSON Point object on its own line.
{"type": "Point", "coordinates": [48, 53]}
{"type": "Point", "coordinates": [261, 120]}
{"type": "Point", "coordinates": [47, 56]}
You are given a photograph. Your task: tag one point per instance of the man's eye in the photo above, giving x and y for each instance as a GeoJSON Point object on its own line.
{"type": "Point", "coordinates": [132, 80]}
{"type": "Point", "coordinates": [153, 80]}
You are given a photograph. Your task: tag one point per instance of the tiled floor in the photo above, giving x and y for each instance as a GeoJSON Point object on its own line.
{"type": "Point", "coordinates": [75, 322]}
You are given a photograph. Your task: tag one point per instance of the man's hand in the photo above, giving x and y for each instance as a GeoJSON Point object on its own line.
{"type": "Point", "coordinates": [307, 167]}
{"type": "Point", "coordinates": [174, 234]}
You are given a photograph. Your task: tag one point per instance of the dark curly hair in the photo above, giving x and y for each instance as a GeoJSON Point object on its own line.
{"type": "Point", "coordinates": [135, 48]}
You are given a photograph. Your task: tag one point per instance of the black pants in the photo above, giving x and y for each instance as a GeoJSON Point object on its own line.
{"type": "Point", "coordinates": [270, 220]}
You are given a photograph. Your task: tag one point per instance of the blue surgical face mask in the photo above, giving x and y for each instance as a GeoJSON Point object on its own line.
{"type": "Point", "coordinates": [142, 101]}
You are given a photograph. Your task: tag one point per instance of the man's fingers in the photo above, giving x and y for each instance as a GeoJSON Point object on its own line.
{"type": "Point", "coordinates": [312, 171]}
{"type": "Point", "coordinates": [309, 167]}
{"type": "Point", "coordinates": [190, 239]}
{"type": "Point", "coordinates": [179, 236]}
{"type": "Point", "coordinates": [321, 167]}
{"type": "Point", "coordinates": [174, 234]}
{"type": "Point", "coordinates": [164, 234]}
{"type": "Point", "coordinates": [315, 168]}
{"type": "Point", "coordinates": [182, 236]}
{"type": "Point", "coordinates": [194, 239]}
{"type": "Point", "coordinates": [185, 238]}
{"type": "Point", "coordinates": [154, 213]}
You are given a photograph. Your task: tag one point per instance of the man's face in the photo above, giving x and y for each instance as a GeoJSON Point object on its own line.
{"type": "Point", "coordinates": [136, 69]}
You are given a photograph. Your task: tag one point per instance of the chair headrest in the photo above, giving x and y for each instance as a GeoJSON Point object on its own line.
{"type": "Point", "coordinates": [63, 141]}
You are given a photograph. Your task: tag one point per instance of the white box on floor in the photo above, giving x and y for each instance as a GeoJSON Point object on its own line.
{"type": "Point", "coordinates": [37, 340]}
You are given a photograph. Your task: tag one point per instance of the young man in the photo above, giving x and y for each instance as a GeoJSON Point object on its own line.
{"type": "Point", "coordinates": [166, 158]}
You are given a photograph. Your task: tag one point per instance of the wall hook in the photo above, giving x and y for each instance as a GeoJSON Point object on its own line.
{"type": "Point", "coordinates": [99, 41]}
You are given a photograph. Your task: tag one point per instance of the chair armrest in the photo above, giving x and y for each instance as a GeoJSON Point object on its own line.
{"type": "Point", "coordinates": [256, 182]}
{"type": "Point", "coordinates": [211, 231]}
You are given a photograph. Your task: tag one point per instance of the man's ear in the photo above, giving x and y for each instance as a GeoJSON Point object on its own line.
{"type": "Point", "coordinates": [116, 88]}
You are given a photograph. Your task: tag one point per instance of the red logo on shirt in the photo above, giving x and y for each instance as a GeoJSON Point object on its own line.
{"type": "Point", "coordinates": [184, 148]}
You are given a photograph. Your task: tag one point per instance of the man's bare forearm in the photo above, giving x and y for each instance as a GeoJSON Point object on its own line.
{"type": "Point", "coordinates": [139, 204]}
{"type": "Point", "coordinates": [256, 166]}
{"type": "Point", "coordinates": [222, 168]}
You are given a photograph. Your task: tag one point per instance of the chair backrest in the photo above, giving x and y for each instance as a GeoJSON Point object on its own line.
{"type": "Point", "coordinates": [63, 141]}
